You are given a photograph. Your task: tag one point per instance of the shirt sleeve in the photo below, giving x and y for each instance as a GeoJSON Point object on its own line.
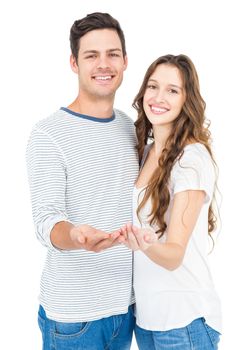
{"type": "Point", "coordinates": [47, 181]}
{"type": "Point", "coordinates": [193, 171]}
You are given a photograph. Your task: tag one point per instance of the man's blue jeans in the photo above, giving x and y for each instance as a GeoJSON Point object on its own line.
{"type": "Point", "coordinates": [111, 333]}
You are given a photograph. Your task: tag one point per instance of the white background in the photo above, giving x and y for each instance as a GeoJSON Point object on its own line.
{"type": "Point", "coordinates": [36, 80]}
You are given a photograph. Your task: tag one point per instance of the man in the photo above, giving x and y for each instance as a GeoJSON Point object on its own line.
{"type": "Point", "coordinates": [82, 165]}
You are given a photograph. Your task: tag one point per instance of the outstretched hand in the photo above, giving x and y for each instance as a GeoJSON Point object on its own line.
{"type": "Point", "coordinates": [88, 238]}
{"type": "Point", "coordinates": [138, 238]}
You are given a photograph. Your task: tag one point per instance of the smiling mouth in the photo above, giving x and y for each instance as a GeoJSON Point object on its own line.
{"type": "Point", "coordinates": [108, 77]}
{"type": "Point", "coordinates": [158, 110]}
{"type": "Point", "coordinates": [103, 78]}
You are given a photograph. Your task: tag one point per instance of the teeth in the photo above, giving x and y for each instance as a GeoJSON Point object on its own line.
{"type": "Point", "coordinates": [103, 78]}
{"type": "Point", "coordinates": [158, 110]}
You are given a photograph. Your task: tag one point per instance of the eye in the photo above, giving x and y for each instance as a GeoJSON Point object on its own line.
{"type": "Point", "coordinates": [173, 91]}
{"type": "Point", "coordinates": [113, 54]}
{"type": "Point", "coordinates": [90, 56]}
{"type": "Point", "coordinates": [151, 86]}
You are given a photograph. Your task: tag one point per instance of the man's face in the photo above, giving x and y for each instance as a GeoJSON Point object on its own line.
{"type": "Point", "coordinates": [100, 64]}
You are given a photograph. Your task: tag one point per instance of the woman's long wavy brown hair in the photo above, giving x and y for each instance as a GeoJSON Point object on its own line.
{"type": "Point", "coordinates": [190, 125]}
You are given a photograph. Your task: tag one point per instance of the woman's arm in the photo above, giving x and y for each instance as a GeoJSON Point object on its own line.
{"type": "Point", "coordinates": [184, 214]}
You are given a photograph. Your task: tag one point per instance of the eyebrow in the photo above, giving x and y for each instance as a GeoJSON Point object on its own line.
{"type": "Point", "coordinates": [172, 85]}
{"type": "Point", "coordinates": [96, 51]}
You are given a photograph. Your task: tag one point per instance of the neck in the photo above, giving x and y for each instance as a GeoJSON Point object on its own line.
{"type": "Point", "coordinates": [96, 107]}
{"type": "Point", "coordinates": [161, 134]}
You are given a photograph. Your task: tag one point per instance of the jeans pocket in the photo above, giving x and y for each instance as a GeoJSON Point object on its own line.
{"type": "Point", "coordinates": [71, 329]}
{"type": "Point", "coordinates": [213, 335]}
{"type": "Point", "coordinates": [69, 336]}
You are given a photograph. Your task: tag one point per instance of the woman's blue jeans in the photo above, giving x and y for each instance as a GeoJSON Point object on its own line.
{"type": "Point", "coordinates": [111, 333]}
{"type": "Point", "coordinates": [196, 336]}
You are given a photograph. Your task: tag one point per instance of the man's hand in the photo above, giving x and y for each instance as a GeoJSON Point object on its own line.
{"type": "Point", "coordinates": [88, 238]}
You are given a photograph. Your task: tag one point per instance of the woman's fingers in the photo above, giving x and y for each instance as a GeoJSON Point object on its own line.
{"type": "Point", "coordinates": [130, 239]}
{"type": "Point", "coordinates": [150, 238]}
{"type": "Point", "coordinates": [137, 238]}
{"type": "Point", "coordinates": [133, 241]}
{"type": "Point", "coordinates": [145, 237]}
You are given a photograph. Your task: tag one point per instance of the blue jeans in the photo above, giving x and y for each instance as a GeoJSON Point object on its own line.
{"type": "Point", "coordinates": [111, 333]}
{"type": "Point", "coordinates": [196, 336]}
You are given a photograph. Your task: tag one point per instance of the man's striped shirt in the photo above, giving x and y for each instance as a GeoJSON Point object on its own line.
{"type": "Point", "coordinates": [82, 170]}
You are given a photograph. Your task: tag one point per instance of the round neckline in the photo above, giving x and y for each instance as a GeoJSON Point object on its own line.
{"type": "Point", "coordinates": [88, 117]}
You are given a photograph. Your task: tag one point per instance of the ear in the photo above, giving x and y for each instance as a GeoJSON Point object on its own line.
{"type": "Point", "coordinates": [73, 64]}
{"type": "Point", "coordinates": [125, 62]}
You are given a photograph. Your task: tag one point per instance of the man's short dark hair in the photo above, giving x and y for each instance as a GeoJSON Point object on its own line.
{"type": "Point", "coordinates": [96, 20]}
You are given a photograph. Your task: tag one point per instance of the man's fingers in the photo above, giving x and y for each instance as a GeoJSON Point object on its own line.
{"type": "Point", "coordinates": [129, 227]}
{"type": "Point", "coordinates": [96, 238]}
{"type": "Point", "coordinates": [114, 235]}
{"type": "Point", "coordinates": [80, 238]}
{"type": "Point", "coordinates": [121, 239]}
{"type": "Point", "coordinates": [123, 231]}
{"type": "Point", "coordinates": [99, 240]}
{"type": "Point", "coordinates": [109, 242]}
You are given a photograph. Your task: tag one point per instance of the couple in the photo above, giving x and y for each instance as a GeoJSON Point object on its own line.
{"type": "Point", "coordinates": [92, 208]}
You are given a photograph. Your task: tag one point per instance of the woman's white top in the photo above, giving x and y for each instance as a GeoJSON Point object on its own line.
{"type": "Point", "coordinates": [173, 299]}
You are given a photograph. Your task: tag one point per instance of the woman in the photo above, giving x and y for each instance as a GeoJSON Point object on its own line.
{"type": "Point", "coordinates": [176, 304]}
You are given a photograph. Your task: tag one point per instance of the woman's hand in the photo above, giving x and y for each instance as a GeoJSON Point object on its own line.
{"type": "Point", "coordinates": [138, 238]}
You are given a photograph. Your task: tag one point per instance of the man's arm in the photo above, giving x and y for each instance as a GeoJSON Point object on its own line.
{"type": "Point", "coordinates": [47, 179]}
{"type": "Point", "coordinates": [65, 235]}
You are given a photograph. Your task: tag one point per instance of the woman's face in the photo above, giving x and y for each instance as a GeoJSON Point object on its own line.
{"type": "Point", "coordinates": [164, 95]}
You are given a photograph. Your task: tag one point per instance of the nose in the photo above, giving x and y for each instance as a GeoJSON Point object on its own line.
{"type": "Point", "coordinates": [103, 62]}
{"type": "Point", "coordinates": [159, 96]}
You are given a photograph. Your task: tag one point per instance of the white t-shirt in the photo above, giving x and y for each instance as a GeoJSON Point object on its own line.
{"type": "Point", "coordinates": [173, 299]}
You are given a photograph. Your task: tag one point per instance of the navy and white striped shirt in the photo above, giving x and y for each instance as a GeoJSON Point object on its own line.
{"type": "Point", "coordinates": [82, 170]}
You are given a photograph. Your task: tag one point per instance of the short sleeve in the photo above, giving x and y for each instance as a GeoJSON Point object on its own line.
{"type": "Point", "coordinates": [194, 171]}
